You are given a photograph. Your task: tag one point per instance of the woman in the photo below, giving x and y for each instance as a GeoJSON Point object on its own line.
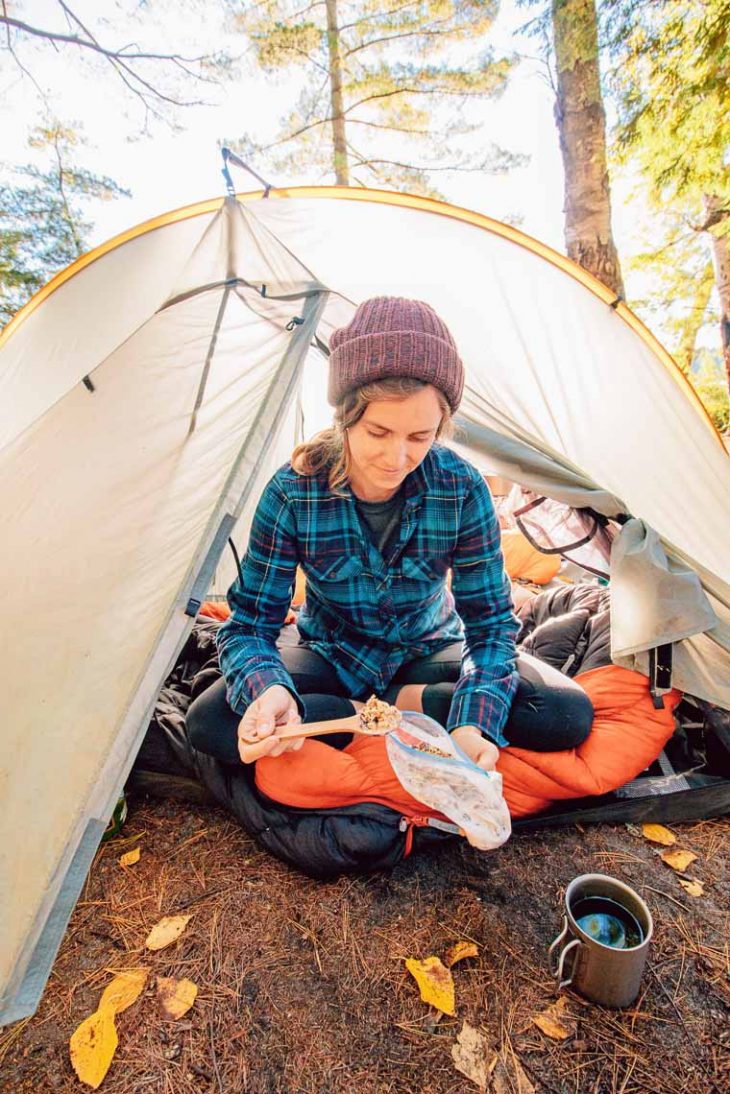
{"type": "Point", "coordinates": [376, 513]}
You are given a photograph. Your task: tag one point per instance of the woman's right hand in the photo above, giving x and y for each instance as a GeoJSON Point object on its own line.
{"type": "Point", "coordinates": [274, 707]}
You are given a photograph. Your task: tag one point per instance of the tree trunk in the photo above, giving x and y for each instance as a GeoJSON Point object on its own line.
{"type": "Point", "coordinates": [581, 122]}
{"type": "Point", "coordinates": [694, 322]}
{"type": "Point", "coordinates": [342, 174]}
{"type": "Point", "coordinates": [717, 215]}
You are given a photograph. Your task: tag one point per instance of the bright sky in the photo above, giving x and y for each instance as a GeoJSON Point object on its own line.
{"type": "Point", "coordinates": [170, 169]}
{"type": "Point", "coordinates": [175, 169]}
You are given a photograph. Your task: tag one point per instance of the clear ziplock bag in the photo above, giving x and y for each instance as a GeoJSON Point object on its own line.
{"type": "Point", "coordinates": [430, 765]}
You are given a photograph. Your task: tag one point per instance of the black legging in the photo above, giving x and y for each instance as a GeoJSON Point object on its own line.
{"type": "Point", "coordinates": [550, 712]}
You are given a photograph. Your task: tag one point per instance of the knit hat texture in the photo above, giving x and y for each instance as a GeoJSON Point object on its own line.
{"type": "Point", "coordinates": [388, 337]}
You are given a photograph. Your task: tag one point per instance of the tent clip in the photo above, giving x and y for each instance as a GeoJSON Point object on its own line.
{"type": "Point", "coordinates": [296, 321]}
{"type": "Point", "coordinates": [231, 157]}
{"type": "Point", "coordinates": [660, 673]}
{"type": "Point", "coordinates": [88, 384]}
{"type": "Point", "coordinates": [230, 188]}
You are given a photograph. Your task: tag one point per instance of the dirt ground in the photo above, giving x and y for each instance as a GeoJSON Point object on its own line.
{"type": "Point", "coordinates": [303, 987]}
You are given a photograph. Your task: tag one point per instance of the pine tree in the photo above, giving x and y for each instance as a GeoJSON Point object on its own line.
{"type": "Point", "coordinates": [386, 87]}
{"type": "Point", "coordinates": [43, 225]}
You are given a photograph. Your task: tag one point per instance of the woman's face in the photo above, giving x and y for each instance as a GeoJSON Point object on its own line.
{"type": "Point", "coordinates": [390, 440]}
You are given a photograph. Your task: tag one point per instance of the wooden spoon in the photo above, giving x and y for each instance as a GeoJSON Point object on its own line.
{"type": "Point", "coordinates": [254, 747]}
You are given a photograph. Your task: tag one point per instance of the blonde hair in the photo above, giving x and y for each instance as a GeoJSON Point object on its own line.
{"type": "Point", "coordinates": [329, 451]}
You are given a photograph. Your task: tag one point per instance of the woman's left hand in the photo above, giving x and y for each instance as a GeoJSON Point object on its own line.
{"type": "Point", "coordinates": [481, 751]}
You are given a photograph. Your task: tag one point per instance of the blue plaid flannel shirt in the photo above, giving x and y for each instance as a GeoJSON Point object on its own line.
{"type": "Point", "coordinates": [366, 615]}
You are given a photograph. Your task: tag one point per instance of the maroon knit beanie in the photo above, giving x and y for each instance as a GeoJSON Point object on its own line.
{"type": "Point", "coordinates": [388, 337]}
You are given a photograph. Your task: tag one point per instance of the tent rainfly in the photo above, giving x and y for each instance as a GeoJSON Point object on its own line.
{"type": "Point", "coordinates": [150, 390]}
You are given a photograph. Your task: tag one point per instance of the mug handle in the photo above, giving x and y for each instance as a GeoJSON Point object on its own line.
{"type": "Point", "coordinates": [566, 983]}
{"type": "Point", "coordinates": [558, 940]}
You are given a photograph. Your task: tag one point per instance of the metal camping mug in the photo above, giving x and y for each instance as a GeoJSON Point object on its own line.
{"type": "Point", "coordinates": [607, 949]}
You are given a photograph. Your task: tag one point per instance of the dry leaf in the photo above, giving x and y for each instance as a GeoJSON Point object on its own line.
{"type": "Point", "coordinates": [470, 1055]}
{"type": "Point", "coordinates": [678, 860]}
{"type": "Point", "coordinates": [694, 888]}
{"type": "Point", "coordinates": [554, 1022]}
{"type": "Point", "coordinates": [130, 858]}
{"type": "Point", "coordinates": [176, 996]}
{"type": "Point", "coordinates": [657, 833]}
{"type": "Point", "coordinates": [435, 982]}
{"type": "Point", "coordinates": [92, 1046]}
{"type": "Point", "coordinates": [168, 930]}
{"type": "Point", "coordinates": [508, 1076]}
{"type": "Point", "coordinates": [123, 990]}
{"type": "Point", "coordinates": [460, 951]}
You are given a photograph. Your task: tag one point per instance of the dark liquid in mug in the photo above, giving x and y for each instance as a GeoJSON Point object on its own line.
{"type": "Point", "coordinates": [608, 922]}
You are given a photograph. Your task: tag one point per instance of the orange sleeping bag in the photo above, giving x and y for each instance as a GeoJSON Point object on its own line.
{"type": "Point", "coordinates": [628, 734]}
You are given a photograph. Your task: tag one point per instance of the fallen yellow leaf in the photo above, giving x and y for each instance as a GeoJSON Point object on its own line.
{"type": "Point", "coordinates": [123, 990]}
{"type": "Point", "coordinates": [657, 833]}
{"type": "Point", "coordinates": [554, 1022]}
{"type": "Point", "coordinates": [470, 1055]}
{"type": "Point", "coordinates": [435, 982]}
{"type": "Point", "coordinates": [694, 888]}
{"type": "Point", "coordinates": [459, 951]}
{"type": "Point", "coordinates": [92, 1047]}
{"type": "Point", "coordinates": [176, 996]}
{"type": "Point", "coordinates": [130, 858]}
{"type": "Point", "coordinates": [165, 932]}
{"type": "Point", "coordinates": [678, 860]}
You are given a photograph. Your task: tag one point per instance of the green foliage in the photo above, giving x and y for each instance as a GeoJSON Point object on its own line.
{"type": "Point", "coordinates": [281, 44]}
{"type": "Point", "coordinates": [708, 378]}
{"type": "Point", "coordinates": [669, 72]}
{"type": "Point", "coordinates": [670, 79]}
{"type": "Point", "coordinates": [672, 280]}
{"type": "Point", "coordinates": [17, 283]}
{"type": "Point", "coordinates": [407, 71]}
{"type": "Point", "coordinates": [42, 222]}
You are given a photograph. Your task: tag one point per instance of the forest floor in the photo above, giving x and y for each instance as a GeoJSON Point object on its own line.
{"type": "Point", "coordinates": [303, 988]}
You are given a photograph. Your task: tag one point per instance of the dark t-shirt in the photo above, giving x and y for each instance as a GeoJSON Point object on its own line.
{"type": "Point", "coordinates": [382, 520]}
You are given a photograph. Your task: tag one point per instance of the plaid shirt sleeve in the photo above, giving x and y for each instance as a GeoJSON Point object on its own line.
{"type": "Point", "coordinates": [259, 601]}
{"type": "Point", "coordinates": [481, 589]}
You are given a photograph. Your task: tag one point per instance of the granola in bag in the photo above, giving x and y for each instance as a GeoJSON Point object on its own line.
{"type": "Point", "coordinates": [431, 766]}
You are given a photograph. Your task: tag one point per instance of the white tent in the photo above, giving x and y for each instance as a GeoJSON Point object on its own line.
{"type": "Point", "coordinates": [149, 391]}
